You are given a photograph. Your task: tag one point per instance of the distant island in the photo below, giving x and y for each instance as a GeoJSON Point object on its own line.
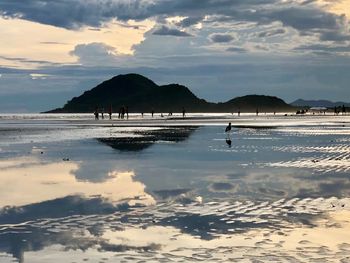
{"type": "Point", "coordinates": [141, 94]}
{"type": "Point", "coordinates": [319, 103]}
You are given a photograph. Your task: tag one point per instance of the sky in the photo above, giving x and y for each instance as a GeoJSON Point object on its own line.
{"type": "Point", "coordinates": [51, 51]}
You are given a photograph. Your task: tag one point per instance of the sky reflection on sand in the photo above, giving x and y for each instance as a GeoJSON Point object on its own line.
{"type": "Point", "coordinates": [180, 194]}
{"type": "Point", "coordinates": [27, 180]}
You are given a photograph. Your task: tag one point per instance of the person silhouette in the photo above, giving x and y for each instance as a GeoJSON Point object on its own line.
{"type": "Point", "coordinates": [96, 113]}
{"type": "Point", "coordinates": [110, 112]}
{"type": "Point", "coordinates": [183, 112]}
{"type": "Point", "coordinates": [123, 112]}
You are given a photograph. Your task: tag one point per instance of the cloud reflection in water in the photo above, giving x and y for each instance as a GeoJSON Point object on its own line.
{"type": "Point", "coordinates": [28, 181]}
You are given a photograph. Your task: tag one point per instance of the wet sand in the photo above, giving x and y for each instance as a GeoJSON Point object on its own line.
{"type": "Point", "coordinates": [154, 190]}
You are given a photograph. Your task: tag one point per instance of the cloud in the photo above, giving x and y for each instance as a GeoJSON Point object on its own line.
{"type": "Point", "coordinates": [29, 61]}
{"type": "Point", "coordinates": [273, 32]}
{"type": "Point", "coordinates": [221, 38]}
{"type": "Point", "coordinates": [236, 49]}
{"type": "Point", "coordinates": [336, 36]}
{"type": "Point", "coordinates": [308, 21]}
{"type": "Point", "coordinates": [94, 54]}
{"type": "Point", "coordinates": [331, 49]}
{"type": "Point", "coordinates": [190, 21]}
{"type": "Point", "coordinates": [261, 47]}
{"type": "Point", "coordinates": [73, 14]}
{"type": "Point", "coordinates": [53, 43]}
{"type": "Point", "coordinates": [166, 31]}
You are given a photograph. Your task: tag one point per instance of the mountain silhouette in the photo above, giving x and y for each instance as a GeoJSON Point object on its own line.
{"type": "Point", "coordinates": [141, 94]}
{"type": "Point", "coordinates": [319, 103]}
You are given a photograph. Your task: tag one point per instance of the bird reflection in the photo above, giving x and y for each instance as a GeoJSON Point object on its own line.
{"type": "Point", "coordinates": [228, 135]}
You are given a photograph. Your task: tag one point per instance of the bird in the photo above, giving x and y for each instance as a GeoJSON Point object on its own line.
{"type": "Point", "coordinates": [228, 128]}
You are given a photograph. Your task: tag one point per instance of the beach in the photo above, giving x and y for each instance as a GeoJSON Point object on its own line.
{"type": "Point", "coordinates": [172, 189]}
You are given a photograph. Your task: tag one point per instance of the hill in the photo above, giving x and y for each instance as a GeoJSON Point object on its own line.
{"type": "Point", "coordinates": [141, 94]}
{"type": "Point", "coordinates": [251, 103]}
{"type": "Point", "coordinates": [319, 103]}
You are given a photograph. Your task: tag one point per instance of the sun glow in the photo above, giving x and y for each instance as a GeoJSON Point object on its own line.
{"type": "Point", "coordinates": [53, 44]}
{"type": "Point", "coordinates": [339, 7]}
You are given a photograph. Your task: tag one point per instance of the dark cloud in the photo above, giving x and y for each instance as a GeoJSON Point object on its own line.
{"type": "Point", "coordinates": [236, 49]}
{"type": "Point", "coordinates": [190, 21]}
{"type": "Point", "coordinates": [29, 61]}
{"type": "Point", "coordinates": [307, 20]}
{"type": "Point", "coordinates": [53, 43]}
{"type": "Point", "coordinates": [73, 14]}
{"type": "Point", "coordinates": [334, 36]}
{"type": "Point", "coordinates": [273, 32]}
{"type": "Point", "coordinates": [325, 48]}
{"type": "Point", "coordinates": [261, 47]}
{"type": "Point", "coordinates": [221, 38]}
{"type": "Point", "coordinates": [167, 31]}
{"type": "Point", "coordinates": [305, 17]}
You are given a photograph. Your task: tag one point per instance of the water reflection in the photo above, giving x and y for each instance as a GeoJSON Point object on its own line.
{"type": "Point", "coordinates": [194, 200]}
{"type": "Point", "coordinates": [148, 138]}
{"type": "Point", "coordinates": [29, 180]}
{"type": "Point", "coordinates": [190, 232]}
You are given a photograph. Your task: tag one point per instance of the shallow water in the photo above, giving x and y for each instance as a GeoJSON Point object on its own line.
{"type": "Point", "coordinates": [103, 193]}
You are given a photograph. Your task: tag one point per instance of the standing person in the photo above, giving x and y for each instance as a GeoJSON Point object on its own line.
{"type": "Point", "coordinates": [142, 114]}
{"type": "Point", "coordinates": [110, 112]}
{"type": "Point", "coordinates": [96, 113]}
{"type": "Point", "coordinates": [123, 112]}
{"type": "Point", "coordinates": [257, 111]}
{"type": "Point", "coordinates": [183, 112]}
{"type": "Point", "coordinates": [102, 112]}
{"type": "Point", "coordinates": [127, 112]}
{"type": "Point", "coordinates": [239, 112]}
{"type": "Point", "coordinates": [152, 112]}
